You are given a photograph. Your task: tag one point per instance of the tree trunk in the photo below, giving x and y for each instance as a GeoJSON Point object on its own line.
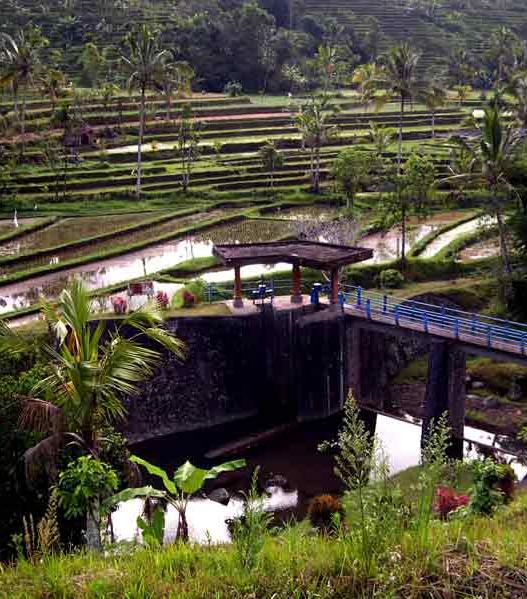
{"type": "Point", "coordinates": [93, 527]}
{"type": "Point", "coordinates": [400, 138]}
{"type": "Point", "coordinates": [182, 527]}
{"type": "Point", "coordinates": [317, 170]}
{"type": "Point", "coordinates": [23, 122]}
{"type": "Point", "coordinates": [403, 229]}
{"type": "Point", "coordinates": [140, 141]}
{"type": "Point", "coordinates": [504, 251]}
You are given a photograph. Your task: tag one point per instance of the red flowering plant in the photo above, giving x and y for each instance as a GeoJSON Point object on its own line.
{"type": "Point", "coordinates": [162, 299]}
{"type": "Point", "coordinates": [448, 501]}
{"type": "Point", "coordinates": [120, 305]}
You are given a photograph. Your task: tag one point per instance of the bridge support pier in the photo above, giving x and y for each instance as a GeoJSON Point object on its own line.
{"type": "Point", "coordinates": [445, 392]}
{"type": "Point", "coordinates": [365, 351]}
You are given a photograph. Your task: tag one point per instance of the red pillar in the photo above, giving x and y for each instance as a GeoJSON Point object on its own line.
{"type": "Point", "coordinates": [296, 296]}
{"type": "Point", "coordinates": [335, 286]}
{"type": "Point", "coordinates": [238, 300]}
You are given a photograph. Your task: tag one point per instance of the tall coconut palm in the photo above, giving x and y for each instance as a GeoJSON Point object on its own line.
{"type": "Point", "coordinates": [397, 76]}
{"type": "Point", "coordinates": [314, 122]}
{"type": "Point", "coordinates": [93, 366]}
{"type": "Point", "coordinates": [144, 62]}
{"type": "Point", "coordinates": [19, 63]}
{"type": "Point", "coordinates": [492, 153]}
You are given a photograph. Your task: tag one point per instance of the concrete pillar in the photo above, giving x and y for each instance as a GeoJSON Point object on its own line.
{"type": "Point", "coordinates": [335, 286]}
{"type": "Point", "coordinates": [445, 392]}
{"type": "Point", "coordinates": [365, 354]}
{"type": "Point", "coordinates": [238, 298]}
{"type": "Point", "coordinates": [296, 294]}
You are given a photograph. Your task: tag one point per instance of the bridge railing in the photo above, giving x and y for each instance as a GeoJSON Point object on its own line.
{"type": "Point", "coordinates": [215, 292]}
{"type": "Point", "coordinates": [458, 324]}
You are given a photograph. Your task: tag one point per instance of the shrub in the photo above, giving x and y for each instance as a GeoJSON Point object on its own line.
{"type": "Point", "coordinates": [493, 486]}
{"type": "Point", "coordinates": [391, 279]}
{"type": "Point", "coordinates": [197, 288]}
{"type": "Point", "coordinates": [233, 89]}
{"type": "Point", "coordinates": [120, 305]}
{"type": "Point", "coordinates": [249, 531]}
{"type": "Point", "coordinates": [447, 501]}
{"type": "Point", "coordinates": [324, 512]}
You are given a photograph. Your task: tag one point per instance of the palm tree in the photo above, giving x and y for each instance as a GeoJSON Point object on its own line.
{"type": "Point", "coordinates": [326, 63]}
{"type": "Point", "coordinates": [271, 159]}
{"type": "Point", "coordinates": [397, 76]}
{"type": "Point", "coordinates": [19, 62]}
{"type": "Point", "coordinates": [145, 63]}
{"type": "Point", "coordinates": [517, 88]}
{"type": "Point", "coordinates": [94, 366]}
{"type": "Point", "coordinates": [51, 83]}
{"type": "Point", "coordinates": [434, 98]}
{"type": "Point", "coordinates": [365, 77]}
{"type": "Point", "coordinates": [492, 153]}
{"type": "Point", "coordinates": [316, 129]}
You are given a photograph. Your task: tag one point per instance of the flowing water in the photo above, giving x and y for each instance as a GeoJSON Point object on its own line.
{"type": "Point", "coordinates": [293, 455]}
{"type": "Point", "coordinates": [446, 238]}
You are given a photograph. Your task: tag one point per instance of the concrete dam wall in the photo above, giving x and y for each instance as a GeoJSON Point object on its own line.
{"type": "Point", "coordinates": [280, 365]}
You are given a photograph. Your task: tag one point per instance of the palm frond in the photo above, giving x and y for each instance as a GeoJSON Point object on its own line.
{"type": "Point", "coordinates": [41, 416]}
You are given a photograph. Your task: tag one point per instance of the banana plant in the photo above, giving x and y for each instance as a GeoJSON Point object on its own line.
{"type": "Point", "coordinates": [186, 481]}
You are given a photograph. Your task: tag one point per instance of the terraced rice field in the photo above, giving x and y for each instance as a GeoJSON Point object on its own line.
{"type": "Point", "coordinates": [69, 230]}
{"type": "Point", "coordinates": [96, 247]}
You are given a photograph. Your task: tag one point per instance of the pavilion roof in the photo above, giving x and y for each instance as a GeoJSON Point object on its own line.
{"type": "Point", "coordinates": [323, 256]}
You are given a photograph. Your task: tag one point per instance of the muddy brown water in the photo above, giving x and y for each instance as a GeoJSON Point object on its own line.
{"type": "Point", "coordinates": [293, 454]}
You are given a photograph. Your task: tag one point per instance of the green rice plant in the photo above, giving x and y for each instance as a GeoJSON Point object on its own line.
{"type": "Point", "coordinates": [433, 471]}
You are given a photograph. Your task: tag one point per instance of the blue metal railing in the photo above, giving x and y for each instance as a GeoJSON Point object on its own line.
{"type": "Point", "coordinates": [453, 323]}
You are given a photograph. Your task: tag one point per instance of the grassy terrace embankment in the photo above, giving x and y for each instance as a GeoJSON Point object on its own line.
{"type": "Point", "coordinates": [476, 557]}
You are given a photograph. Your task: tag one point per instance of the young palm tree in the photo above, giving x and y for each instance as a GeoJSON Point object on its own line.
{"type": "Point", "coordinates": [19, 62]}
{"type": "Point", "coordinates": [491, 154]}
{"type": "Point", "coordinates": [271, 159]}
{"type": "Point", "coordinates": [51, 83]}
{"type": "Point", "coordinates": [434, 98]}
{"type": "Point", "coordinates": [93, 367]}
{"type": "Point", "coordinates": [316, 129]}
{"type": "Point", "coordinates": [397, 76]}
{"type": "Point", "coordinates": [365, 77]}
{"type": "Point", "coordinates": [144, 62]}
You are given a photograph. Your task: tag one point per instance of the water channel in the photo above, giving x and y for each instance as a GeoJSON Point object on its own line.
{"type": "Point", "coordinates": [292, 455]}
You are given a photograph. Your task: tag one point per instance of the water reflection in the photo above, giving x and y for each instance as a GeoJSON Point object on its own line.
{"type": "Point", "coordinates": [294, 455]}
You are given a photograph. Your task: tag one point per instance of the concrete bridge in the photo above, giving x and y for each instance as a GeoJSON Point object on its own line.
{"type": "Point", "coordinates": [451, 335]}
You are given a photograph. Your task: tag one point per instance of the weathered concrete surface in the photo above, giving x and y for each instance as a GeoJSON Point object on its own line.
{"type": "Point", "coordinates": [237, 367]}
{"type": "Point", "coordinates": [283, 365]}
{"type": "Point", "coordinates": [446, 392]}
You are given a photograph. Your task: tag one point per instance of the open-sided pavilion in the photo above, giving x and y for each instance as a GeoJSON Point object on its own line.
{"type": "Point", "coordinates": [310, 254]}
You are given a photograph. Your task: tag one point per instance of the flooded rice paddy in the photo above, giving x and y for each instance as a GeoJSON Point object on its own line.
{"type": "Point", "coordinates": [70, 230]}
{"type": "Point", "coordinates": [160, 256]}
